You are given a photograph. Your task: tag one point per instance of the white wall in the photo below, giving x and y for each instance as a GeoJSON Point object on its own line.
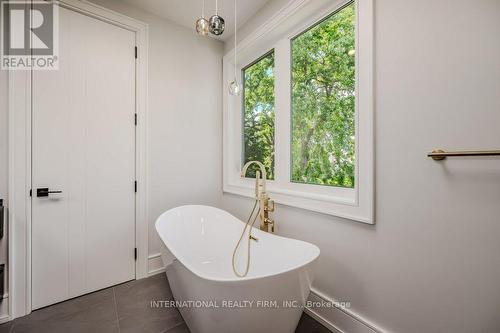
{"type": "Point", "coordinates": [430, 264]}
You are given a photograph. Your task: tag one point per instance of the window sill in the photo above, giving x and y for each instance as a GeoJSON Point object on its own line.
{"type": "Point", "coordinates": [343, 207]}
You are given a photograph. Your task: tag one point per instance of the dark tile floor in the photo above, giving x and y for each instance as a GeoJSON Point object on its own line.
{"type": "Point", "coordinates": [125, 308]}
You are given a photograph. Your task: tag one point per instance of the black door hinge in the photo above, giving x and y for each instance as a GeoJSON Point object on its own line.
{"type": "Point", "coordinates": [135, 186]}
{"type": "Point", "coordinates": [135, 119]}
{"type": "Point", "coordinates": [31, 192]}
{"type": "Point", "coordinates": [135, 253]}
{"type": "Point", "coordinates": [136, 52]}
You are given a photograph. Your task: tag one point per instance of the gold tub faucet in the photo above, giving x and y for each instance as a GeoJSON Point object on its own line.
{"type": "Point", "coordinates": [266, 205]}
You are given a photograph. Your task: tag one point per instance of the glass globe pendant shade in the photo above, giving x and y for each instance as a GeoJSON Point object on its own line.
{"type": "Point", "coordinates": [217, 25]}
{"type": "Point", "coordinates": [234, 88]}
{"type": "Point", "coordinates": [202, 26]}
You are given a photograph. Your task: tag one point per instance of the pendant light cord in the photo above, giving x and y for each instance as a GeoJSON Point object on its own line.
{"type": "Point", "coordinates": [235, 31]}
{"type": "Point", "coordinates": [203, 9]}
{"type": "Point", "coordinates": [216, 7]}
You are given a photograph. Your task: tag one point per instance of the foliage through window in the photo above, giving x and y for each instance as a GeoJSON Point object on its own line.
{"type": "Point", "coordinates": [258, 114]}
{"type": "Point", "coordinates": [323, 102]}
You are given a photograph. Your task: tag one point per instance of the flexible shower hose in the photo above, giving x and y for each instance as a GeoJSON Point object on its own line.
{"type": "Point", "coordinates": [249, 240]}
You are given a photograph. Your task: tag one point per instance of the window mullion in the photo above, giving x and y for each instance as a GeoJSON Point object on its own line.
{"type": "Point", "coordinates": [282, 112]}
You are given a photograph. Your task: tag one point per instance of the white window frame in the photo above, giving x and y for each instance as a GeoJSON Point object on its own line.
{"type": "Point", "coordinates": [296, 17]}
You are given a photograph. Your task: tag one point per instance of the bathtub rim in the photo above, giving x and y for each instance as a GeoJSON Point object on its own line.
{"type": "Point", "coordinates": [234, 278]}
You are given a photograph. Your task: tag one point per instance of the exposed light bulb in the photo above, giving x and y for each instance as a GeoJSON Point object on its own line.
{"type": "Point", "coordinates": [234, 88]}
{"type": "Point", "coordinates": [202, 26]}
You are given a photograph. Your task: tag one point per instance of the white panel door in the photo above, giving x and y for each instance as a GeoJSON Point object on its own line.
{"type": "Point", "coordinates": [83, 132]}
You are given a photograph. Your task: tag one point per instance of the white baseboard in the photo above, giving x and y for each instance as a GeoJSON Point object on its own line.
{"type": "Point", "coordinates": [337, 319]}
{"type": "Point", "coordinates": [155, 264]}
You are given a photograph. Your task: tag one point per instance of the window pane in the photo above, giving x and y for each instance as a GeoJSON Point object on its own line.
{"type": "Point", "coordinates": [258, 114]}
{"type": "Point", "coordinates": [323, 102]}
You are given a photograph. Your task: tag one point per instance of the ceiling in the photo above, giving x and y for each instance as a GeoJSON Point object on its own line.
{"type": "Point", "coordinates": [186, 12]}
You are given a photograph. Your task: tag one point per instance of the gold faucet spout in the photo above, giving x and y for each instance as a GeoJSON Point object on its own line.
{"type": "Point", "coordinates": [262, 172]}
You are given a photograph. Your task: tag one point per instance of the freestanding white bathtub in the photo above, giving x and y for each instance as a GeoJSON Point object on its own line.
{"type": "Point", "coordinates": [198, 245]}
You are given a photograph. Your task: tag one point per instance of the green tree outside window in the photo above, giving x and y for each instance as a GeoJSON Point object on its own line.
{"type": "Point", "coordinates": [323, 102]}
{"type": "Point", "coordinates": [258, 114]}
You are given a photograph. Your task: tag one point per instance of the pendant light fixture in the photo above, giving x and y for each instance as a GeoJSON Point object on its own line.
{"type": "Point", "coordinates": [202, 23]}
{"type": "Point", "coordinates": [234, 86]}
{"type": "Point", "coordinates": [216, 23]}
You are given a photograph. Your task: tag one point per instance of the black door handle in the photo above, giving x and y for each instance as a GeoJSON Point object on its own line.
{"type": "Point", "coordinates": [44, 192]}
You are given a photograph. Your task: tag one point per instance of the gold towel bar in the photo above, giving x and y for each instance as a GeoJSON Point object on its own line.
{"type": "Point", "coordinates": [438, 155]}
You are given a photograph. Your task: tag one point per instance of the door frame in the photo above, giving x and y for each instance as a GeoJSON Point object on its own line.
{"type": "Point", "coordinates": [19, 201]}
